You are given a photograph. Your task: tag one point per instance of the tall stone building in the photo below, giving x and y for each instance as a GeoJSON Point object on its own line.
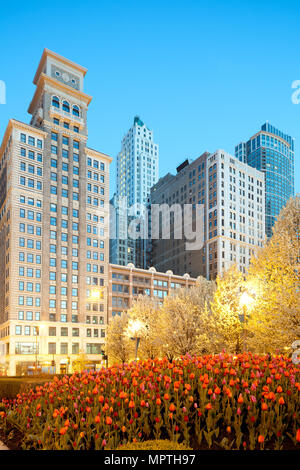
{"type": "Point", "coordinates": [53, 228]}
{"type": "Point", "coordinates": [229, 197]}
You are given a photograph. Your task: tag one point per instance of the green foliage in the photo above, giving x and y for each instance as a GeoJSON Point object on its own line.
{"type": "Point", "coordinates": [159, 444]}
{"type": "Point", "coordinates": [10, 387]}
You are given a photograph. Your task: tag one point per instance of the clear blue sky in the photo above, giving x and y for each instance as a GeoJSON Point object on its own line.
{"type": "Point", "coordinates": [202, 76]}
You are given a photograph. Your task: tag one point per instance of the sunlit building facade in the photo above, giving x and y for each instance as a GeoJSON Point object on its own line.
{"type": "Point", "coordinates": [53, 229]}
{"type": "Point", "coordinates": [230, 198]}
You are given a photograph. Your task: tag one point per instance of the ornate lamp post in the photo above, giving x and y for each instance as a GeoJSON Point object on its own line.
{"type": "Point", "coordinates": [134, 329]}
{"type": "Point", "coordinates": [246, 302]}
{"type": "Point", "coordinates": [36, 348]}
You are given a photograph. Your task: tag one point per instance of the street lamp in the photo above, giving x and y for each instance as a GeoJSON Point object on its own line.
{"type": "Point", "coordinates": [246, 302]}
{"type": "Point", "coordinates": [134, 328]}
{"type": "Point", "coordinates": [36, 348]}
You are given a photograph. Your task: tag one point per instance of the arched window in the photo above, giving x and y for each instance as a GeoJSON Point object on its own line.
{"type": "Point", "coordinates": [66, 106]}
{"type": "Point", "coordinates": [55, 102]}
{"type": "Point", "coordinates": [76, 111]}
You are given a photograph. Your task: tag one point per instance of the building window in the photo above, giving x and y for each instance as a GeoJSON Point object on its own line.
{"type": "Point", "coordinates": [66, 107]}
{"type": "Point", "coordinates": [76, 111]}
{"type": "Point", "coordinates": [55, 102]}
{"type": "Point", "coordinates": [51, 348]}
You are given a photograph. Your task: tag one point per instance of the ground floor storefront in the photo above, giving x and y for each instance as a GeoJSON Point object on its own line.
{"type": "Point", "coordinates": [30, 366]}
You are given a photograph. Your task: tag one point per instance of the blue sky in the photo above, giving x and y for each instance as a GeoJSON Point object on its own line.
{"type": "Point", "coordinates": [202, 76]}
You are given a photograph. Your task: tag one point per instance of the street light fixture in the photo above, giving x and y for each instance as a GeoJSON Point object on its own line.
{"type": "Point", "coordinates": [246, 302]}
{"type": "Point", "coordinates": [36, 348]}
{"type": "Point", "coordinates": [134, 328]}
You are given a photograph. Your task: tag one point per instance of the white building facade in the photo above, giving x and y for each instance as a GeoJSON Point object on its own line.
{"type": "Point", "coordinates": [137, 172]}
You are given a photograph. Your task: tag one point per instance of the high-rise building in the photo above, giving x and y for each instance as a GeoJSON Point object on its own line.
{"type": "Point", "coordinates": [272, 152]}
{"type": "Point", "coordinates": [137, 172]}
{"type": "Point", "coordinates": [230, 195]}
{"type": "Point", "coordinates": [53, 228]}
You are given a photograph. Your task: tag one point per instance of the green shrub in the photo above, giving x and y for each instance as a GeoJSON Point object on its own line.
{"type": "Point", "coordinates": [154, 445]}
{"type": "Point", "coordinates": [10, 387]}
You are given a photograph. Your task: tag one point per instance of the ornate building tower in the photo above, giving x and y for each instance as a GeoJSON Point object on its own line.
{"type": "Point", "coordinates": [54, 228]}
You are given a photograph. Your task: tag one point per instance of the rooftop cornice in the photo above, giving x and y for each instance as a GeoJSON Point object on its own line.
{"type": "Point", "coordinates": [97, 154]}
{"type": "Point", "coordinates": [13, 123]}
{"type": "Point", "coordinates": [63, 60]}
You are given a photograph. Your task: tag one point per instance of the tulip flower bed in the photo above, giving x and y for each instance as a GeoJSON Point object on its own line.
{"type": "Point", "coordinates": [207, 402]}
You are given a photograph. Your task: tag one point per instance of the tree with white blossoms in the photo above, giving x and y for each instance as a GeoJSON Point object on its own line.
{"type": "Point", "coordinates": [187, 313]}
{"type": "Point", "coordinates": [118, 347]}
{"type": "Point", "coordinates": [152, 323]}
{"type": "Point", "coordinates": [227, 321]}
{"type": "Point", "coordinates": [274, 279]}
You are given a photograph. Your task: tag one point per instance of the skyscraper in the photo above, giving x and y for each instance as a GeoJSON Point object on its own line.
{"type": "Point", "coordinates": [53, 228]}
{"type": "Point", "coordinates": [137, 172]}
{"type": "Point", "coordinates": [231, 195]}
{"type": "Point", "coordinates": [272, 152]}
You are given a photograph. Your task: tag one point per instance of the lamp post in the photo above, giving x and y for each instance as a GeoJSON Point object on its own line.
{"type": "Point", "coordinates": [36, 348]}
{"type": "Point", "coordinates": [134, 328]}
{"type": "Point", "coordinates": [246, 301]}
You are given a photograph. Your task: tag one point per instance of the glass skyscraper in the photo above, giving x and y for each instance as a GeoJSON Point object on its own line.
{"type": "Point", "coordinates": [272, 152]}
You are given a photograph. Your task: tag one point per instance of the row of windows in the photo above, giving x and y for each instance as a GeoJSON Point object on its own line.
{"type": "Point", "coordinates": [29, 286]}
{"type": "Point", "coordinates": [29, 316]}
{"type": "Point", "coordinates": [66, 125]}
{"type": "Point", "coordinates": [65, 166]}
{"type": "Point", "coordinates": [29, 272]}
{"type": "Point", "coordinates": [64, 250]}
{"type": "Point", "coordinates": [63, 264]}
{"type": "Point", "coordinates": [31, 155]}
{"type": "Point", "coordinates": [63, 277]}
{"type": "Point", "coordinates": [96, 164]}
{"type": "Point", "coordinates": [95, 176]}
{"type": "Point", "coordinates": [29, 243]}
{"type": "Point", "coordinates": [29, 301]}
{"type": "Point", "coordinates": [65, 106]}
{"type": "Point", "coordinates": [95, 218]}
{"type": "Point", "coordinates": [64, 237]}
{"type": "Point", "coordinates": [30, 258]}
{"type": "Point", "coordinates": [95, 201]}
{"type": "Point", "coordinates": [31, 141]}
{"type": "Point", "coordinates": [30, 201]}
{"type": "Point", "coordinates": [95, 189]}
{"type": "Point", "coordinates": [63, 290]}
{"type": "Point", "coordinates": [30, 183]}
{"type": "Point", "coordinates": [31, 229]}
{"type": "Point", "coordinates": [63, 304]}
{"type": "Point", "coordinates": [33, 348]}
{"type": "Point", "coordinates": [30, 215]}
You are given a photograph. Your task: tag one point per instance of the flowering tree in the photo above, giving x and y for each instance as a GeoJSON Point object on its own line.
{"type": "Point", "coordinates": [187, 313]}
{"type": "Point", "coordinates": [118, 346]}
{"type": "Point", "coordinates": [227, 322]}
{"type": "Point", "coordinates": [148, 314]}
{"type": "Point", "coordinates": [274, 277]}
